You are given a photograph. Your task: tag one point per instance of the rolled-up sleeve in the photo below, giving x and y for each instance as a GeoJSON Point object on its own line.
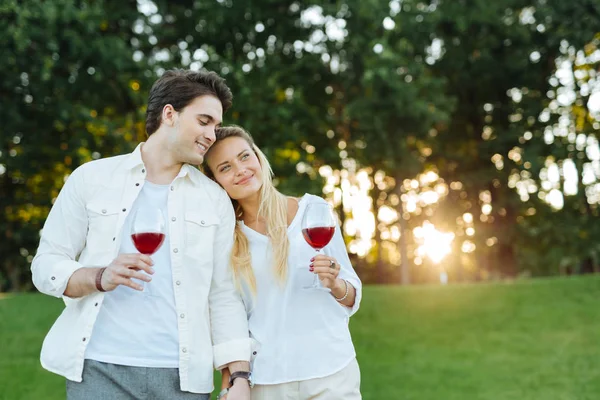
{"type": "Point", "coordinates": [229, 324]}
{"type": "Point", "coordinates": [337, 249]}
{"type": "Point", "coordinates": [62, 239]}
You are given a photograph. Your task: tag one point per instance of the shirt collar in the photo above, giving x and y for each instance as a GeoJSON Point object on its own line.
{"type": "Point", "coordinates": [193, 173]}
{"type": "Point", "coordinates": [135, 158]}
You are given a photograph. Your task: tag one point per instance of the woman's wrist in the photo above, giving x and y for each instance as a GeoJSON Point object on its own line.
{"type": "Point", "coordinates": [339, 288]}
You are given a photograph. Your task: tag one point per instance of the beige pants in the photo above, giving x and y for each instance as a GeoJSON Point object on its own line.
{"type": "Point", "coordinates": [343, 385]}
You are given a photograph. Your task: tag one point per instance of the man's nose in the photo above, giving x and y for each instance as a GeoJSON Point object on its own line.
{"type": "Point", "coordinates": [210, 136]}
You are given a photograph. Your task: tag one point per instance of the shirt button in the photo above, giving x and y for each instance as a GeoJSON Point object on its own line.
{"type": "Point", "coordinates": [96, 305]}
{"type": "Point", "coordinates": [114, 239]}
{"type": "Point", "coordinates": [182, 316]}
{"type": "Point", "coordinates": [178, 283]}
{"type": "Point", "coordinates": [175, 250]}
{"type": "Point", "coordinates": [173, 219]}
{"type": "Point", "coordinates": [53, 278]}
{"type": "Point", "coordinates": [124, 209]}
{"type": "Point", "coordinates": [143, 171]}
{"type": "Point", "coordinates": [184, 350]}
{"type": "Point", "coordinates": [137, 184]}
{"type": "Point", "coordinates": [254, 353]}
{"type": "Point", "coordinates": [104, 211]}
{"type": "Point", "coordinates": [84, 339]}
{"type": "Point", "coordinates": [202, 222]}
{"type": "Point", "coordinates": [172, 188]}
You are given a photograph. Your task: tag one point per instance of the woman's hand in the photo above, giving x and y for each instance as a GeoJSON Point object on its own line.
{"type": "Point", "coordinates": [327, 268]}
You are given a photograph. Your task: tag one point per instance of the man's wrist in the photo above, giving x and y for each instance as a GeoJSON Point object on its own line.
{"type": "Point", "coordinates": [245, 376]}
{"type": "Point", "coordinates": [243, 381]}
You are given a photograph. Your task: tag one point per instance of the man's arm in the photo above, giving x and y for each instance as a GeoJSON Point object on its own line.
{"type": "Point", "coordinates": [54, 268]}
{"type": "Point", "coordinates": [229, 324]}
{"type": "Point", "coordinates": [62, 240]}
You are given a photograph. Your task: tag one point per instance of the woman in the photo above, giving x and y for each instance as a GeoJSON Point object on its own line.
{"type": "Point", "coordinates": [305, 344]}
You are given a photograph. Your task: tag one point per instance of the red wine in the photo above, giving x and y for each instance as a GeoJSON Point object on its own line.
{"type": "Point", "coordinates": [318, 237]}
{"type": "Point", "coordinates": [148, 242]}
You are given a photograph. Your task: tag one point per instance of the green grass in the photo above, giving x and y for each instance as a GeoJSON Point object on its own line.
{"type": "Point", "coordinates": [534, 339]}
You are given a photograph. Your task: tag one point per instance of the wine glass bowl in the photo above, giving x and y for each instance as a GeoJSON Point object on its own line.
{"type": "Point", "coordinates": [148, 229]}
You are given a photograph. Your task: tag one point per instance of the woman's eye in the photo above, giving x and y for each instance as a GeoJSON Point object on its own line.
{"type": "Point", "coordinates": [225, 168]}
{"type": "Point", "coordinates": [245, 156]}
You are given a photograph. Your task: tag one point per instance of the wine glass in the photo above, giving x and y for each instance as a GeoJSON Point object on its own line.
{"type": "Point", "coordinates": [148, 229]}
{"type": "Point", "coordinates": [318, 227]}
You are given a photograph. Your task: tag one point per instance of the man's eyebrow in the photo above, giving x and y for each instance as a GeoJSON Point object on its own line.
{"type": "Point", "coordinates": [239, 154]}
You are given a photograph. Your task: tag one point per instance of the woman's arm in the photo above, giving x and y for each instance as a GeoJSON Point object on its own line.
{"type": "Point", "coordinates": [224, 383]}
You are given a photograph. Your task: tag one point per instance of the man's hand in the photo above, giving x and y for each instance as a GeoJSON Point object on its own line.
{"type": "Point", "coordinates": [125, 267]}
{"type": "Point", "coordinates": [240, 390]}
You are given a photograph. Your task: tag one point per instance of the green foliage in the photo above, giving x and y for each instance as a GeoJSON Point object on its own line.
{"type": "Point", "coordinates": [399, 88]}
{"type": "Point", "coordinates": [69, 94]}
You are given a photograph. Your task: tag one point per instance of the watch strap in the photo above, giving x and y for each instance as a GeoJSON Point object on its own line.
{"type": "Point", "coordinates": [240, 374]}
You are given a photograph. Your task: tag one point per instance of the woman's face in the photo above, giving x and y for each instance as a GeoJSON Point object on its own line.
{"type": "Point", "coordinates": [235, 167]}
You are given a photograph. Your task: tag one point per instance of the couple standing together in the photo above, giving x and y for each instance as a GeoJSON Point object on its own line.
{"type": "Point", "coordinates": [226, 290]}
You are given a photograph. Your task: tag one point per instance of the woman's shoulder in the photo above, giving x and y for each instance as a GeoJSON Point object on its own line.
{"type": "Point", "coordinates": [311, 198]}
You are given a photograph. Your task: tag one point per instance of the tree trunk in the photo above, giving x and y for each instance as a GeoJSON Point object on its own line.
{"type": "Point", "coordinates": [404, 232]}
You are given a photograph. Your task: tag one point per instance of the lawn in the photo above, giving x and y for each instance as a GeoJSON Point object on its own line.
{"type": "Point", "coordinates": [535, 339]}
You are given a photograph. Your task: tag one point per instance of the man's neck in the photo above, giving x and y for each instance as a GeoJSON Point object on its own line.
{"type": "Point", "coordinates": [161, 168]}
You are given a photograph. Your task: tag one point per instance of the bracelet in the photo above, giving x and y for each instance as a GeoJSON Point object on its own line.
{"type": "Point", "coordinates": [345, 294]}
{"type": "Point", "coordinates": [99, 279]}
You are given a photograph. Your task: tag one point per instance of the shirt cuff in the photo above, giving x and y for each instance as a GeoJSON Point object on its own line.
{"type": "Point", "coordinates": [233, 350]}
{"type": "Point", "coordinates": [55, 281]}
{"type": "Point", "coordinates": [358, 288]}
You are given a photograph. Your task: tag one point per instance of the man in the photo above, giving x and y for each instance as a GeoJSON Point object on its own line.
{"type": "Point", "coordinates": [136, 326]}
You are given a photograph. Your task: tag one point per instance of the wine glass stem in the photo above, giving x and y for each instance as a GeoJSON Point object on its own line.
{"type": "Point", "coordinates": [317, 281]}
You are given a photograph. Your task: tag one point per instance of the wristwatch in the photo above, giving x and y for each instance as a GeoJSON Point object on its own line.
{"type": "Point", "coordinates": [241, 374]}
{"type": "Point", "coordinates": [222, 393]}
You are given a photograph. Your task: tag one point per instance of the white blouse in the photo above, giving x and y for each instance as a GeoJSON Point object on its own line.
{"type": "Point", "coordinates": [302, 333]}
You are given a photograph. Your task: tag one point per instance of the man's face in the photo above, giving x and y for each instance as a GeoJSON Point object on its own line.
{"type": "Point", "coordinates": [194, 129]}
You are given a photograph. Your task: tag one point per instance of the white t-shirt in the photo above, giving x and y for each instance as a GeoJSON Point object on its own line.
{"type": "Point", "coordinates": [303, 334]}
{"type": "Point", "coordinates": [140, 328]}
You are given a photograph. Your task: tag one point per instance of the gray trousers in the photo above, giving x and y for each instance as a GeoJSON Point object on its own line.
{"type": "Point", "coordinates": [102, 381]}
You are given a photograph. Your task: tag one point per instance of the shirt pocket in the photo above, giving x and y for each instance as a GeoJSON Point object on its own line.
{"type": "Point", "coordinates": [102, 224]}
{"type": "Point", "coordinates": [200, 231]}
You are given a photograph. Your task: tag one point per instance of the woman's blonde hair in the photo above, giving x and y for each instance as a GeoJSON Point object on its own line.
{"type": "Point", "coordinates": [273, 209]}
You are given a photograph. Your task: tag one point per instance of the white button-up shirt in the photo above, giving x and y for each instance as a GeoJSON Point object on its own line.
{"type": "Point", "coordinates": [303, 333]}
{"type": "Point", "coordinates": [84, 228]}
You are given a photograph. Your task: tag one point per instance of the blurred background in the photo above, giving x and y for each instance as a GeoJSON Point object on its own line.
{"type": "Point", "coordinates": [458, 140]}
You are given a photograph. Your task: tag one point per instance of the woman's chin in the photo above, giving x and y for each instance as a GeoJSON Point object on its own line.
{"type": "Point", "coordinates": [244, 193]}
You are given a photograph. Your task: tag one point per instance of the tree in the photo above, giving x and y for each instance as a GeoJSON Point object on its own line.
{"type": "Point", "coordinates": [70, 93]}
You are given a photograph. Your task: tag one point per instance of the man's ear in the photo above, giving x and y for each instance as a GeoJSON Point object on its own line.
{"type": "Point", "coordinates": [169, 115]}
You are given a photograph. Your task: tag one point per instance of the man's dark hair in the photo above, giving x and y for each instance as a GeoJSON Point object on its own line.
{"type": "Point", "coordinates": [179, 88]}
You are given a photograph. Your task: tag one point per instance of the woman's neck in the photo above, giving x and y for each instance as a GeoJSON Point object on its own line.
{"type": "Point", "coordinates": [250, 206]}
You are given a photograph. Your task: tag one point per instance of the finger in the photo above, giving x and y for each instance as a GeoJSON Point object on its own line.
{"type": "Point", "coordinates": [325, 271]}
{"type": "Point", "coordinates": [138, 264]}
{"type": "Point", "coordinates": [323, 258]}
{"type": "Point", "coordinates": [135, 259]}
{"type": "Point", "coordinates": [324, 264]}
{"type": "Point", "coordinates": [131, 273]}
{"type": "Point", "coordinates": [129, 283]}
